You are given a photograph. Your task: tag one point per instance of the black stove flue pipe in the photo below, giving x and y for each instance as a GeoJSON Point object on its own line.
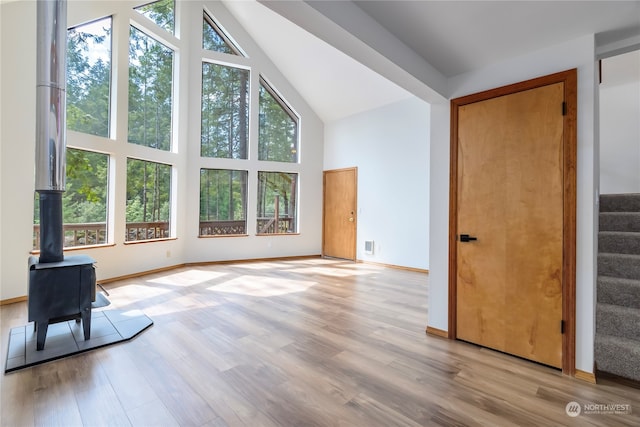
{"type": "Point", "coordinates": [51, 125]}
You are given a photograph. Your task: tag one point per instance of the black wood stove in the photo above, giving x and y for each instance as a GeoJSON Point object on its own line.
{"type": "Point", "coordinates": [60, 291]}
{"type": "Point", "coordinates": [60, 288]}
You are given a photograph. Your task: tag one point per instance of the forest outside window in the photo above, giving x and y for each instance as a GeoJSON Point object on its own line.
{"type": "Point", "coordinates": [277, 203]}
{"type": "Point", "coordinates": [148, 200]}
{"type": "Point", "coordinates": [150, 91]}
{"type": "Point", "coordinates": [88, 77]}
{"type": "Point", "coordinates": [223, 207]}
{"type": "Point", "coordinates": [214, 39]}
{"type": "Point", "coordinates": [161, 12]}
{"type": "Point", "coordinates": [84, 203]}
{"type": "Point", "coordinates": [278, 128]}
{"type": "Point", "coordinates": [225, 111]}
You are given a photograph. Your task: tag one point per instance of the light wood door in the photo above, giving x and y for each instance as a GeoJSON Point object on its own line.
{"type": "Point", "coordinates": [339, 213]}
{"type": "Point", "coordinates": [510, 197]}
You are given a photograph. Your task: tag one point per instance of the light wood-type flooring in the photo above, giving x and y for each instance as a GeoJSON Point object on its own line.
{"type": "Point", "coordinates": [306, 342]}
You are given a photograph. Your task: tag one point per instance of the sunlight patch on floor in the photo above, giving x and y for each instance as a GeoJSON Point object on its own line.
{"type": "Point", "coordinates": [259, 286]}
{"type": "Point", "coordinates": [187, 278]}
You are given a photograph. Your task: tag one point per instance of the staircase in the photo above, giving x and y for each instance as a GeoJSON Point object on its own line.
{"type": "Point", "coordinates": [617, 344]}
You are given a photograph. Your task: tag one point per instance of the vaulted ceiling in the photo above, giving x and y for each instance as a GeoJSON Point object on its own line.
{"type": "Point", "coordinates": [310, 41]}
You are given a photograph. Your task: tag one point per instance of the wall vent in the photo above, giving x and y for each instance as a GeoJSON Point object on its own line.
{"type": "Point", "coordinates": [368, 247]}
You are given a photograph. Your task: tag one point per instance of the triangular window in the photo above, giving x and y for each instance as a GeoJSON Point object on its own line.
{"type": "Point", "coordinates": [214, 39]}
{"type": "Point", "coordinates": [161, 12]}
{"type": "Point", "coordinates": [278, 127]}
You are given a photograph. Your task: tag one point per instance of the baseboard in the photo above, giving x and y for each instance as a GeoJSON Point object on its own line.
{"type": "Point", "coordinates": [585, 376]}
{"type": "Point", "coordinates": [437, 332]}
{"type": "Point", "coordinates": [13, 300]}
{"type": "Point", "coordinates": [397, 267]}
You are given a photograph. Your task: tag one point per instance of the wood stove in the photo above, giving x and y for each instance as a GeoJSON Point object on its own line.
{"type": "Point", "coordinates": [60, 291]}
{"type": "Point", "coordinates": [60, 288]}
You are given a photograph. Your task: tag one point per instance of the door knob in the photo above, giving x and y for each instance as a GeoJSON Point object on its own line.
{"type": "Point", "coordinates": [351, 219]}
{"type": "Point", "coordinates": [467, 238]}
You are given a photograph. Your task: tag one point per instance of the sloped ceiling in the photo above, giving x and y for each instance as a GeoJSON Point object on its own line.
{"type": "Point", "coordinates": [446, 37]}
{"type": "Point", "coordinates": [460, 36]}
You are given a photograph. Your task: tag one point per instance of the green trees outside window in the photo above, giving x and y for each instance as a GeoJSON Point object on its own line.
{"type": "Point", "coordinates": [150, 91]}
{"type": "Point", "coordinates": [84, 203]}
{"type": "Point", "coordinates": [223, 202]}
{"type": "Point", "coordinates": [88, 77]}
{"type": "Point", "coordinates": [214, 39]}
{"type": "Point", "coordinates": [277, 202]}
{"type": "Point", "coordinates": [161, 12]}
{"type": "Point", "coordinates": [148, 200]}
{"type": "Point", "coordinates": [225, 111]}
{"type": "Point", "coordinates": [278, 135]}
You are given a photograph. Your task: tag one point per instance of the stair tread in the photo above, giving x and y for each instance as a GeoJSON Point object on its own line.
{"type": "Point", "coordinates": [611, 279]}
{"type": "Point", "coordinates": [619, 233]}
{"type": "Point", "coordinates": [615, 254]}
{"type": "Point", "coordinates": [615, 307]}
{"type": "Point", "coordinates": [629, 202]}
{"type": "Point", "coordinates": [619, 242]}
{"type": "Point", "coordinates": [618, 355]}
{"type": "Point", "coordinates": [620, 213]}
{"type": "Point", "coordinates": [618, 320]}
{"type": "Point", "coordinates": [615, 338]}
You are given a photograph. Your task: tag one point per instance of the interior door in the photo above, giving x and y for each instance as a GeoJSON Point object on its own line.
{"type": "Point", "coordinates": [339, 213]}
{"type": "Point", "coordinates": [510, 201]}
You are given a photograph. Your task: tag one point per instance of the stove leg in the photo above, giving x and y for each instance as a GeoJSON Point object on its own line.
{"type": "Point", "coordinates": [41, 334]}
{"type": "Point", "coordinates": [86, 323]}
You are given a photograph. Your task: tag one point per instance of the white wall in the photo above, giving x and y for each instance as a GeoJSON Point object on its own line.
{"type": "Point", "coordinates": [390, 148]}
{"type": "Point", "coordinates": [17, 143]}
{"type": "Point", "coordinates": [580, 54]}
{"type": "Point", "coordinates": [620, 124]}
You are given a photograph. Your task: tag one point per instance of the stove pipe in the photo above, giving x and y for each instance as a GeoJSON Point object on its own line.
{"type": "Point", "coordinates": [51, 124]}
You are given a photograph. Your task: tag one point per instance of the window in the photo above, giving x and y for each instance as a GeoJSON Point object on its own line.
{"type": "Point", "coordinates": [225, 111]}
{"type": "Point", "coordinates": [161, 12]}
{"type": "Point", "coordinates": [277, 194]}
{"type": "Point", "coordinates": [223, 196]}
{"type": "Point", "coordinates": [214, 39]}
{"type": "Point", "coordinates": [84, 204]}
{"type": "Point", "coordinates": [88, 77]}
{"type": "Point", "coordinates": [148, 200]}
{"type": "Point", "coordinates": [278, 135]}
{"type": "Point", "coordinates": [150, 87]}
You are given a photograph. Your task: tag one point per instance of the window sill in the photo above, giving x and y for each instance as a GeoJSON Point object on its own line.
{"type": "Point", "coordinates": [79, 248]}
{"type": "Point", "coordinates": [218, 236]}
{"type": "Point", "coordinates": [135, 242]}
{"type": "Point", "coordinates": [277, 234]}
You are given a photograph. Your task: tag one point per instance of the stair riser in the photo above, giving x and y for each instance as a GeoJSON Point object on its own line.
{"type": "Point", "coordinates": [618, 359]}
{"type": "Point", "coordinates": [627, 267]}
{"type": "Point", "coordinates": [620, 203]}
{"type": "Point", "coordinates": [610, 221]}
{"type": "Point", "coordinates": [627, 243]}
{"type": "Point", "coordinates": [618, 321]}
{"type": "Point", "coordinates": [618, 292]}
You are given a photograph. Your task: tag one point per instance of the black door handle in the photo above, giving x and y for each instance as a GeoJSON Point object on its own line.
{"type": "Point", "coordinates": [467, 238]}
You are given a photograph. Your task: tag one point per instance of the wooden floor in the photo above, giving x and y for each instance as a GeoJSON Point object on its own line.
{"type": "Point", "coordinates": [306, 342]}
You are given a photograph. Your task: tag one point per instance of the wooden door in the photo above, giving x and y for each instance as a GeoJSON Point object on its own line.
{"type": "Point", "coordinates": [511, 182]}
{"type": "Point", "coordinates": [339, 213]}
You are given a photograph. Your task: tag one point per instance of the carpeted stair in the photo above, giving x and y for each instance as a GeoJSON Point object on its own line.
{"type": "Point", "coordinates": [617, 345]}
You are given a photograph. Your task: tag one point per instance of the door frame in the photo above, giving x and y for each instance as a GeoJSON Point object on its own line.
{"type": "Point", "coordinates": [324, 196]}
{"type": "Point", "coordinates": [569, 78]}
